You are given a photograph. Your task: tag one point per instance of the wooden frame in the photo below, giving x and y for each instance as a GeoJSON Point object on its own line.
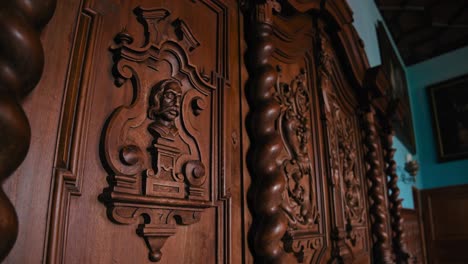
{"type": "Point", "coordinates": [395, 73]}
{"type": "Point", "coordinates": [449, 104]}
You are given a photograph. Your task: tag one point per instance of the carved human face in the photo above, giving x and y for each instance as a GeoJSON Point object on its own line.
{"type": "Point", "coordinates": [170, 102]}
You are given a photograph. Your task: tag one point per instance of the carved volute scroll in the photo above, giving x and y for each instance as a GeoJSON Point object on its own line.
{"type": "Point", "coordinates": [21, 65]}
{"type": "Point", "coordinates": [158, 148]}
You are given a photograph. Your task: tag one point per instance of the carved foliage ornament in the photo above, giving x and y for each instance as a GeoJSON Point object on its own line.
{"type": "Point", "coordinates": [158, 147]}
{"type": "Point", "coordinates": [298, 201]}
{"type": "Point", "coordinates": [342, 145]}
{"type": "Point", "coordinates": [344, 178]}
{"type": "Point", "coordinates": [295, 130]}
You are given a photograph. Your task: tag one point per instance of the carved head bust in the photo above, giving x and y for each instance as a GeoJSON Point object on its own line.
{"type": "Point", "coordinates": [164, 106]}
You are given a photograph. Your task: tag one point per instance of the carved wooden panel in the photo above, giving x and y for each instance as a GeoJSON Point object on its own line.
{"type": "Point", "coordinates": [160, 147]}
{"type": "Point", "coordinates": [300, 197]}
{"type": "Point", "coordinates": [349, 215]}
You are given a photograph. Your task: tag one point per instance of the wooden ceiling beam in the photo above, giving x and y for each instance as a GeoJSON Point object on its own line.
{"type": "Point", "coordinates": [401, 8]}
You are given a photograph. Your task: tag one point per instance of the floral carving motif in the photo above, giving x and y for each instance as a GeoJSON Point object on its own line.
{"type": "Point", "coordinates": [342, 147]}
{"type": "Point", "coordinates": [295, 131]}
{"type": "Point", "coordinates": [347, 154]}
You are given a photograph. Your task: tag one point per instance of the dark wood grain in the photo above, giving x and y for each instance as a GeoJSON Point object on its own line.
{"type": "Point", "coordinates": [22, 63]}
{"type": "Point", "coordinates": [443, 213]}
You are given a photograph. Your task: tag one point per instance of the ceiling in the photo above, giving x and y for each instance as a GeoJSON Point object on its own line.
{"type": "Point", "coordinates": [423, 29]}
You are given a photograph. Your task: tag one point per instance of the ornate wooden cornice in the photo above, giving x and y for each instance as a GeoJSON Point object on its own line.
{"type": "Point", "coordinates": [21, 65]}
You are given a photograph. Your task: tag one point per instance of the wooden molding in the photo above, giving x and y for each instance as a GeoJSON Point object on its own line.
{"type": "Point", "coordinates": [72, 135]}
{"type": "Point", "coordinates": [22, 62]}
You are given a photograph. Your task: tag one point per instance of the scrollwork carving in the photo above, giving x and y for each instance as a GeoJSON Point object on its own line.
{"type": "Point", "coordinates": [295, 130]}
{"type": "Point", "coordinates": [159, 165]}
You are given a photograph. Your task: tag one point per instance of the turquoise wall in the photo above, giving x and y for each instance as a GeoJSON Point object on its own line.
{"type": "Point", "coordinates": [366, 17]}
{"type": "Point", "coordinates": [421, 75]}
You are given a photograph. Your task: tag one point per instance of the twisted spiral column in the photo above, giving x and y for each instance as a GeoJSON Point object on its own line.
{"type": "Point", "coordinates": [399, 245]}
{"type": "Point", "coordinates": [21, 65]}
{"type": "Point", "coordinates": [377, 210]}
{"type": "Point", "coordinates": [268, 182]}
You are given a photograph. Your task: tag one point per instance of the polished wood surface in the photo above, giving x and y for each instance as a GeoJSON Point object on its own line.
{"type": "Point", "coordinates": [444, 211]}
{"type": "Point", "coordinates": [21, 66]}
{"type": "Point", "coordinates": [205, 132]}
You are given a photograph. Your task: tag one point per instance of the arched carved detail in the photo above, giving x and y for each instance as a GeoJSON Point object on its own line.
{"type": "Point", "coordinates": [270, 222]}
{"type": "Point", "coordinates": [381, 250]}
{"type": "Point", "coordinates": [21, 66]}
{"type": "Point", "coordinates": [398, 236]}
{"type": "Point", "coordinates": [339, 18]}
{"type": "Point", "coordinates": [159, 147]}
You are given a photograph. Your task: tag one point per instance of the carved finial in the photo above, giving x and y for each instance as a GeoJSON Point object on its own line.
{"type": "Point", "coordinates": [264, 12]}
{"type": "Point", "coordinates": [151, 19]}
{"type": "Point", "coordinates": [185, 34]}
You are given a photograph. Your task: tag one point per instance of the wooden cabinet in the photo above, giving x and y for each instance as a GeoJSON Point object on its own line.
{"type": "Point", "coordinates": [206, 132]}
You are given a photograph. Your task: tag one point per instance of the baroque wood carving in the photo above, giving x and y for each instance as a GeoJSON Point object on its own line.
{"type": "Point", "coordinates": [298, 203]}
{"type": "Point", "coordinates": [344, 180]}
{"type": "Point", "coordinates": [159, 148]}
{"type": "Point", "coordinates": [22, 62]}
